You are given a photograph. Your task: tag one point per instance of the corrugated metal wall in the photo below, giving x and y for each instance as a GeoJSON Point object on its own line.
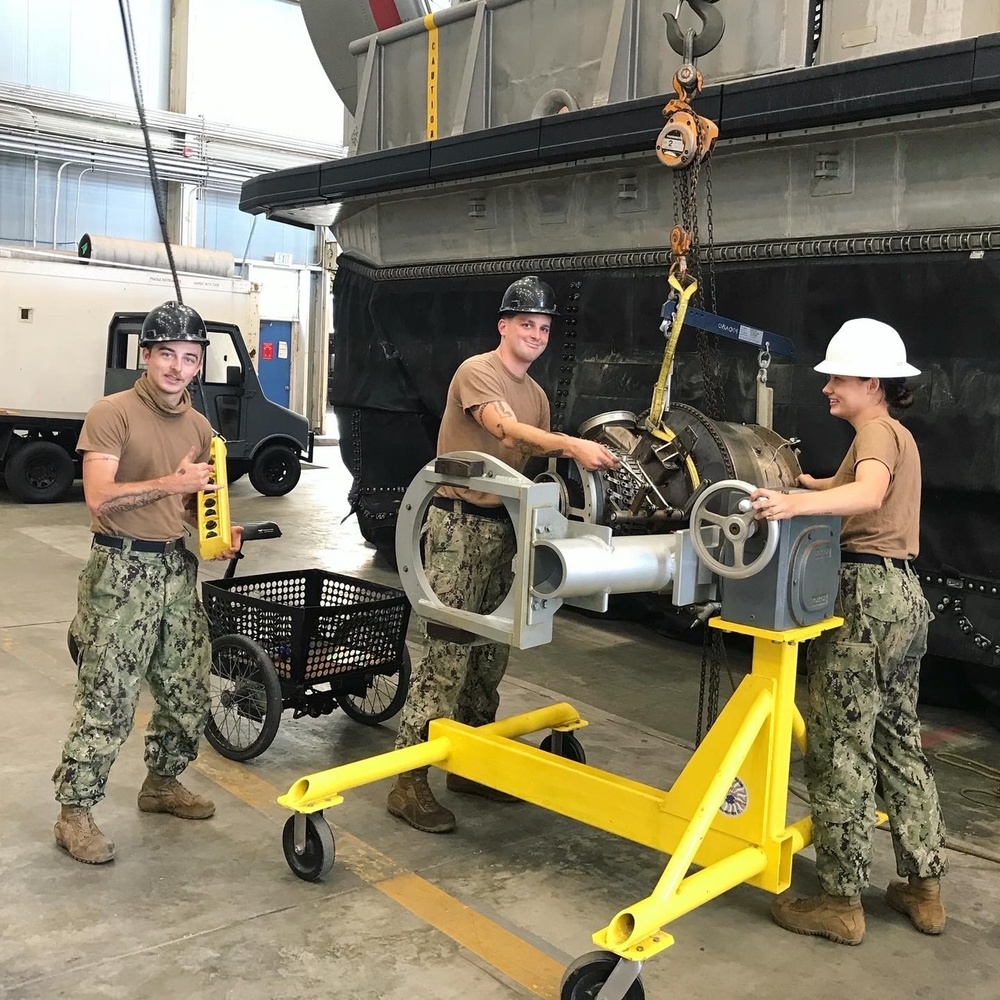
{"type": "Point", "coordinates": [79, 48]}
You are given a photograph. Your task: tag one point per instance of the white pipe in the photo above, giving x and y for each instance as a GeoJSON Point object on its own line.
{"type": "Point", "coordinates": [79, 185]}
{"type": "Point", "coordinates": [55, 209]}
{"type": "Point", "coordinates": [588, 566]}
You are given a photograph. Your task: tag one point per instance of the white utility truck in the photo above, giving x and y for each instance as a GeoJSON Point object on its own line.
{"type": "Point", "coordinates": [69, 330]}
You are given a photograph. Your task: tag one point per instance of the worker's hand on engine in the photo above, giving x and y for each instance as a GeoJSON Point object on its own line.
{"type": "Point", "coordinates": [191, 476]}
{"type": "Point", "coordinates": [808, 482]}
{"type": "Point", "coordinates": [772, 504]}
{"type": "Point", "coordinates": [594, 456]}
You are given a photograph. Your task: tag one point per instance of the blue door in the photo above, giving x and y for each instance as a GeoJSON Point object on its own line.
{"type": "Point", "coordinates": [274, 360]}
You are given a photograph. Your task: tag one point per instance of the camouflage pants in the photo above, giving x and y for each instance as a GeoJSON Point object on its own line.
{"type": "Point", "coordinates": [138, 617]}
{"type": "Point", "coordinates": [468, 564]}
{"type": "Point", "coordinates": [862, 722]}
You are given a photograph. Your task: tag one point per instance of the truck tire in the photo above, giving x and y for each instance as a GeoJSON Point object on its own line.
{"type": "Point", "coordinates": [39, 472]}
{"type": "Point", "coordinates": [275, 470]}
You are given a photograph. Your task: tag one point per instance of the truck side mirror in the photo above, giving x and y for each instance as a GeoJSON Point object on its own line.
{"type": "Point", "coordinates": [234, 375]}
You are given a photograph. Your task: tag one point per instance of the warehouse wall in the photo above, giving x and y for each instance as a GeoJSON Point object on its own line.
{"type": "Point", "coordinates": [79, 48]}
{"type": "Point", "coordinates": [250, 64]}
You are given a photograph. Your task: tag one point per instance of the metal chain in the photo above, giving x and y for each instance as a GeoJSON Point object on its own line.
{"type": "Point", "coordinates": [686, 215]}
{"type": "Point", "coordinates": [713, 655]}
{"type": "Point", "coordinates": [709, 353]}
{"type": "Point", "coordinates": [710, 290]}
{"type": "Point", "coordinates": [698, 733]}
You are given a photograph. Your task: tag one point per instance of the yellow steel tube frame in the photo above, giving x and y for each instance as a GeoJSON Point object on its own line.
{"type": "Point", "coordinates": [725, 813]}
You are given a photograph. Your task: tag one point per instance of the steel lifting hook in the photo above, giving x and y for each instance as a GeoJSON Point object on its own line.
{"type": "Point", "coordinates": [713, 26]}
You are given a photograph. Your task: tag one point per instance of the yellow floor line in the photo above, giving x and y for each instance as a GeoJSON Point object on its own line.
{"type": "Point", "coordinates": [499, 947]}
{"type": "Point", "coordinates": [505, 951]}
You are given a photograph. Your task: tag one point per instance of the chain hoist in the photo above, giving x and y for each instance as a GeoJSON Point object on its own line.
{"type": "Point", "coordinates": [684, 144]}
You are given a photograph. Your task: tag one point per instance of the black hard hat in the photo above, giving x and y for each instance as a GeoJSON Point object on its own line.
{"type": "Point", "coordinates": [173, 321]}
{"type": "Point", "coordinates": [529, 295]}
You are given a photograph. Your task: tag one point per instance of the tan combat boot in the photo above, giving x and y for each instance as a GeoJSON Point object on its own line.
{"type": "Point", "coordinates": [81, 838]}
{"type": "Point", "coordinates": [839, 918]}
{"type": "Point", "coordinates": [162, 794]}
{"type": "Point", "coordinates": [412, 800]}
{"type": "Point", "coordinates": [920, 900]}
{"type": "Point", "coordinates": [465, 786]}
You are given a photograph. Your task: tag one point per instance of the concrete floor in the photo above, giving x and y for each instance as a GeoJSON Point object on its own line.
{"type": "Point", "coordinates": [497, 910]}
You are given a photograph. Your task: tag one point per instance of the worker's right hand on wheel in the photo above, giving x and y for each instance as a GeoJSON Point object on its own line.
{"type": "Point", "coordinates": [193, 477]}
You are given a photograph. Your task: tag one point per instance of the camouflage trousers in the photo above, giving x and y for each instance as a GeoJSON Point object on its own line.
{"type": "Point", "coordinates": [862, 725]}
{"type": "Point", "coordinates": [138, 617]}
{"type": "Point", "coordinates": [468, 565]}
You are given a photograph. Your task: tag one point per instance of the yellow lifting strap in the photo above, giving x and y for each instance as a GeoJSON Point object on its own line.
{"type": "Point", "coordinates": [659, 402]}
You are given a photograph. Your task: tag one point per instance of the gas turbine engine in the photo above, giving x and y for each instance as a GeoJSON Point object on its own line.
{"type": "Point", "coordinates": [769, 575]}
{"type": "Point", "coordinates": [665, 469]}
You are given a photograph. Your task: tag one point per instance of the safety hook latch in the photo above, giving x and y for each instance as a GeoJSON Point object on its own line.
{"type": "Point", "coordinates": [713, 27]}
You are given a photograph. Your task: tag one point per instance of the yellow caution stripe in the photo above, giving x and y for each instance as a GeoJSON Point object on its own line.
{"type": "Point", "coordinates": [433, 64]}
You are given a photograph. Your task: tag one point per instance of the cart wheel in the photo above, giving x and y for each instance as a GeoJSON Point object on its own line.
{"type": "Point", "coordinates": [584, 979]}
{"type": "Point", "coordinates": [317, 858]}
{"type": "Point", "coordinates": [383, 696]}
{"type": "Point", "coordinates": [245, 698]}
{"type": "Point", "coordinates": [572, 748]}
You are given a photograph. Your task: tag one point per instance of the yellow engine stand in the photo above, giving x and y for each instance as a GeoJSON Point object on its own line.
{"type": "Point", "coordinates": [725, 814]}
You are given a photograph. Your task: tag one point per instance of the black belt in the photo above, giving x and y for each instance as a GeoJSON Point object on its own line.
{"type": "Point", "coordinates": [138, 544]}
{"type": "Point", "coordinates": [498, 513]}
{"type": "Point", "coordinates": [870, 559]}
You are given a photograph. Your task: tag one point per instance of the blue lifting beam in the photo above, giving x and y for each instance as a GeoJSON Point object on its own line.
{"type": "Point", "coordinates": [730, 328]}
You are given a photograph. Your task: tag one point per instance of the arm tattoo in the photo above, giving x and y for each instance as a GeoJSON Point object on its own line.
{"type": "Point", "coordinates": [502, 410]}
{"type": "Point", "coordinates": [132, 501]}
{"type": "Point", "coordinates": [536, 450]}
{"type": "Point", "coordinates": [100, 458]}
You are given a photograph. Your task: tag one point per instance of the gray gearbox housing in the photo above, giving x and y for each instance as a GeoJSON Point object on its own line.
{"type": "Point", "coordinates": [799, 584]}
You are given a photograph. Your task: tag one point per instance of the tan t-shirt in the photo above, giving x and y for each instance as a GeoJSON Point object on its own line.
{"type": "Point", "coordinates": [148, 444]}
{"type": "Point", "coordinates": [894, 529]}
{"type": "Point", "coordinates": [480, 379]}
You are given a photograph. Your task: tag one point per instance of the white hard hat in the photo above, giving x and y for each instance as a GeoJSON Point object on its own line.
{"type": "Point", "coordinates": [866, 348]}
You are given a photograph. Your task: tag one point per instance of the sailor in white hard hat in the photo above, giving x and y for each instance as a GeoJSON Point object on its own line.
{"type": "Point", "coordinates": [861, 713]}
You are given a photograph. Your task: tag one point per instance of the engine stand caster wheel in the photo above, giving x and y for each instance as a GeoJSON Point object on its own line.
{"type": "Point", "coordinates": [307, 841]}
{"type": "Point", "coordinates": [602, 974]}
{"type": "Point", "coordinates": [564, 745]}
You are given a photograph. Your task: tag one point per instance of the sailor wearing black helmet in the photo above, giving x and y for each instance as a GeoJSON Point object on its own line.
{"type": "Point", "coordinates": [145, 454]}
{"type": "Point", "coordinates": [493, 406]}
